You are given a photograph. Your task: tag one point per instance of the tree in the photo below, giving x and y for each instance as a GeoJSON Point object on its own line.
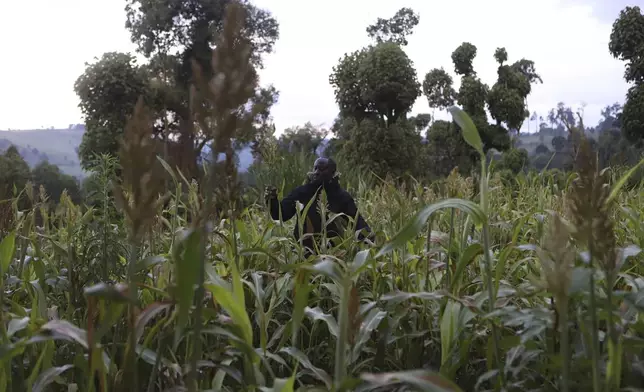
{"type": "Point", "coordinates": [438, 89]}
{"type": "Point", "coordinates": [388, 80]}
{"type": "Point", "coordinates": [421, 121]}
{"type": "Point", "coordinates": [377, 81]}
{"type": "Point", "coordinates": [55, 182]}
{"type": "Point", "coordinates": [632, 118]}
{"type": "Point", "coordinates": [177, 37]}
{"type": "Point", "coordinates": [307, 138]}
{"type": "Point", "coordinates": [14, 173]}
{"type": "Point", "coordinates": [375, 89]}
{"type": "Point", "coordinates": [507, 99]}
{"type": "Point", "coordinates": [626, 44]}
{"type": "Point", "coordinates": [446, 149]}
{"type": "Point", "coordinates": [542, 149]}
{"type": "Point", "coordinates": [384, 149]}
{"type": "Point", "coordinates": [395, 29]}
{"type": "Point", "coordinates": [463, 59]}
{"type": "Point", "coordinates": [108, 89]}
{"type": "Point", "coordinates": [514, 160]}
{"type": "Point", "coordinates": [559, 143]}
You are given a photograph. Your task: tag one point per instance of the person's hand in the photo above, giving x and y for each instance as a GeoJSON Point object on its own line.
{"type": "Point", "coordinates": [270, 193]}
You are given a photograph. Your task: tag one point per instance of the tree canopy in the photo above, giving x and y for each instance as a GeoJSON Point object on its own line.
{"type": "Point", "coordinates": [173, 36]}
{"type": "Point", "coordinates": [627, 44]}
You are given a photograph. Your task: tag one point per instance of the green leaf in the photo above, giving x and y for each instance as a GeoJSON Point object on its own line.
{"type": "Point", "coordinates": [317, 314]}
{"type": "Point", "coordinates": [326, 267]}
{"type": "Point", "coordinates": [302, 288]}
{"type": "Point", "coordinates": [422, 380]}
{"type": "Point", "coordinates": [618, 186]}
{"type": "Point", "coordinates": [470, 133]}
{"type": "Point", "coordinates": [360, 262]}
{"type": "Point", "coordinates": [65, 330]}
{"type": "Point", "coordinates": [320, 374]}
{"type": "Point", "coordinates": [418, 223]}
{"type": "Point", "coordinates": [236, 310]}
{"type": "Point", "coordinates": [187, 263]}
{"type": "Point", "coordinates": [48, 376]}
{"type": "Point", "coordinates": [614, 365]}
{"type": "Point", "coordinates": [7, 247]}
{"type": "Point", "coordinates": [282, 384]}
{"type": "Point", "coordinates": [148, 314]}
{"type": "Point", "coordinates": [468, 255]}
{"type": "Point", "coordinates": [117, 293]}
{"type": "Point", "coordinates": [149, 262]}
{"type": "Point", "coordinates": [17, 324]}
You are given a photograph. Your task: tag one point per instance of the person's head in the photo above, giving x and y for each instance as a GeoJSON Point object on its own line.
{"type": "Point", "coordinates": [324, 170]}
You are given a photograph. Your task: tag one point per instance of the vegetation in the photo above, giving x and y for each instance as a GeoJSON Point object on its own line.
{"type": "Point", "coordinates": [491, 270]}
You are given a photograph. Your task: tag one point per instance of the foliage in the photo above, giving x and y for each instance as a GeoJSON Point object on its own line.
{"type": "Point", "coordinates": [446, 150]}
{"type": "Point", "coordinates": [438, 89]}
{"type": "Point", "coordinates": [542, 149]}
{"type": "Point", "coordinates": [55, 182]}
{"type": "Point", "coordinates": [515, 160]}
{"type": "Point", "coordinates": [383, 149]}
{"type": "Point", "coordinates": [107, 89]}
{"type": "Point", "coordinates": [14, 173]}
{"type": "Point", "coordinates": [559, 143]}
{"type": "Point", "coordinates": [378, 80]}
{"type": "Point", "coordinates": [626, 44]}
{"type": "Point", "coordinates": [396, 29]}
{"type": "Point", "coordinates": [307, 138]}
{"type": "Point", "coordinates": [172, 35]}
{"type": "Point", "coordinates": [632, 117]}
{"type": "Point", "coordinates": [509, 280]}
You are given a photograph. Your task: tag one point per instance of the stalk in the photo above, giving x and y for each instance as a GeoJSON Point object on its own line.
{"type": "Point", "coordinates": [131, 373]}
{"type": "Point", "coordinates": [565, 346]}
{"type": "Point", "coordinates": [449, 248]}
{"type": "Point", "coordinates": [594, 351]}
{"type": "Point", "coordinates": [488, 268]}
{"type": "Point", "coordinates": [343, 323]}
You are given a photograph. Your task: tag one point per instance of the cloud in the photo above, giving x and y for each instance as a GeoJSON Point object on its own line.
{"type": "Point", "coordinates": [46, 44]}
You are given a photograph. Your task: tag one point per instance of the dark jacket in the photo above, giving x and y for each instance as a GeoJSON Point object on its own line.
{"type": "Point", "coordinates": [338, 200]}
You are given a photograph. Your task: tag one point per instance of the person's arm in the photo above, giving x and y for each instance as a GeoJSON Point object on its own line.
{"type": "Point", "coordinates": [288, 204]}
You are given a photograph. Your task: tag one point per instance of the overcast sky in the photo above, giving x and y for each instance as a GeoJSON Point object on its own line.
{"type": "Point", "coordinates": [45, 44]}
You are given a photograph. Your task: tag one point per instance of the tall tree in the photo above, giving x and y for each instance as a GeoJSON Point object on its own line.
{"type": "Point", "coordinates": [108, 89]}
{"type": "Point", "coordinates": [307, 138]}
{"type": "Point", "coordinates": [395, 29]}
{"type": "Point", "coordinates": [627, 44]}
{"type": "Point", "coordinates": [55, 182]}
{"type": "Point", "coordinates": [14, 173]}
{"type": "Point", "coordinates": [175, 35]}
{"type": "Point", "coordinates": [438, 89]}
{"type": "Point", "coordinates": [507, 100]}
{"type": "Point", "coordinates": [375, 89]}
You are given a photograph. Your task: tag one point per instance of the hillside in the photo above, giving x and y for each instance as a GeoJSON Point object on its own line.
{"type": "Point", "coordinates": [57, 146]}
{"type": "Point", "coordinates": [60, 146]}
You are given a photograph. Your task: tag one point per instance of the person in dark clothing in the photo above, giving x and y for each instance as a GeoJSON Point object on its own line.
{"type": "Point", "coordinates": [323, 178]}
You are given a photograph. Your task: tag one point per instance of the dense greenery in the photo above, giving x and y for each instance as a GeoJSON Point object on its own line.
{"type": "Point", "coordinates": [497, 265]}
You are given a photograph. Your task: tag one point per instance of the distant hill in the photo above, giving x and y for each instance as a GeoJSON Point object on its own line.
{"type": "Point", "coordinates": [57, 146]}
{"type": "Point", "coordinates": [60, 147]}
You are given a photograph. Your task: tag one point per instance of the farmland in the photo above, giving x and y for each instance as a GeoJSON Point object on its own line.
{"type": "Point", "coordinates": [487, 272]}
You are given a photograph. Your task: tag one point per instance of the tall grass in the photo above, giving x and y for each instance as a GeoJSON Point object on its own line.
{"type": "Point", "coordinates": [353, 318]}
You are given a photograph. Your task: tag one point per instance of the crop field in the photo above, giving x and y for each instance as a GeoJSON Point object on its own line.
{"type": "Point", "coordinates": [489, 268]}
{"type": "Point", "coordinates": [96, 302]}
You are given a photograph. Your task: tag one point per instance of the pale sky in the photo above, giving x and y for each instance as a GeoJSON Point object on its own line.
{"type": "Point", "coordinates": [45, 44]}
